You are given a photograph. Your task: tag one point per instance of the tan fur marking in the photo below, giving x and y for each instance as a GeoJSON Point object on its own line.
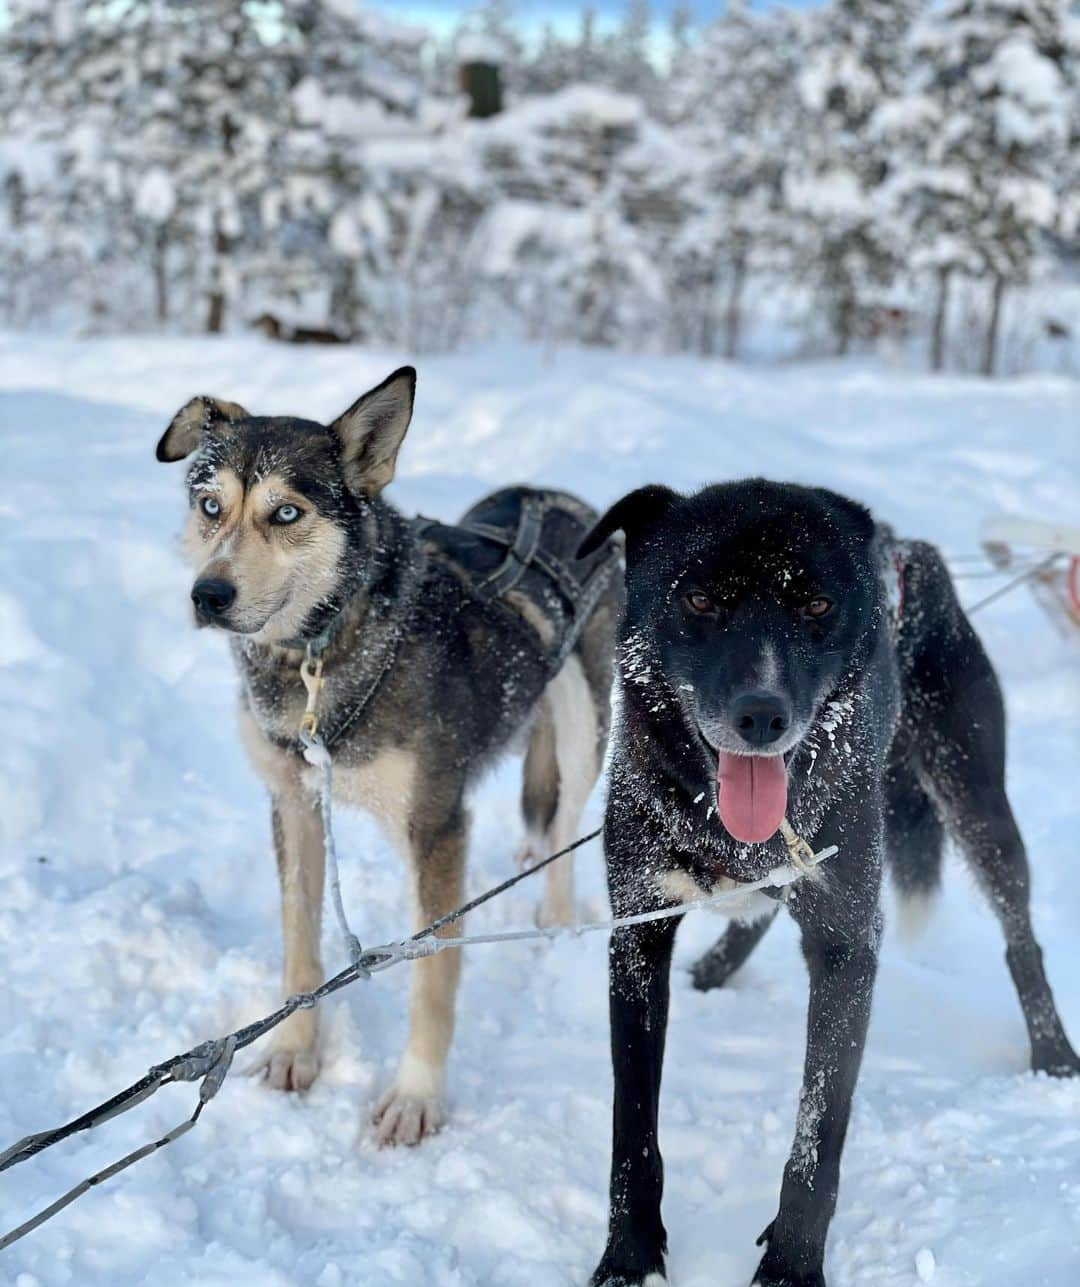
{"type": "Point", "coordinates": [535, 616]}
{"type": "Point", "coordinates": [681, 887]}
{"type": "Point", "coordinates": [384, 787]}
{"type": "Point", "coordinates": [574, 717]}
{"type": "Point", "coordinates": [201, 537]}
{"type": "Point", "coordinates": [280, 572]}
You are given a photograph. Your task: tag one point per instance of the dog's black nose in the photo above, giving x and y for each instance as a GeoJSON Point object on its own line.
{"type": "Point", "coordinates": [761, 718]}
{"type": "Point", "coordinates": [212, 597]}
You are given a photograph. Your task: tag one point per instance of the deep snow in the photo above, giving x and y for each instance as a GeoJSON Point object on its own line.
{"type": "Point", "coordinates": [139, 904]}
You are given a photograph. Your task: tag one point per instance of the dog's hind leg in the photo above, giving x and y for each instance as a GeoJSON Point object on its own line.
{"type": "Point", "coordinates": [561, 768]}
{"type": "Point", "coordinates": [730, 952]}
{"type": "Point", "coordinates": [539, 785]}
{"type": "Point", "coordinates": [415, 1105]}
{"type": "Point", "coordinates": [968, 781]}
{"type": "Point", "coordinates": [961, 766]}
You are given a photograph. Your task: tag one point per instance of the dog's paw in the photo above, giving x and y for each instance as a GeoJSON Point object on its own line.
{"type": "Point", "coordinates": [775, 1270]}
{"type": "Point", "coordinates": [289, 1069]}
{"type": "Point", "coordinates": [291, 1061]}
{"type": "Point", "coordinates": [602, 1278]}
{"type": "Point", "coordinates": [530, 853]}
{"type": "Point", "coordinates": [772, 1274]}
{"type": "Point", "coordinates": [710, 972]}
{"type": "Point", "coordinates": [1058, 1062]}
{"type": "Point", "coordinates": [404, 1118]}
{"type": "Point", "coordinates": [414, 1107]}
{"type": "Point", "coordinates": [630, 1269]}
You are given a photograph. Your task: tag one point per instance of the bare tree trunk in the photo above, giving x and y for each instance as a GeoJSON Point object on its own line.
{"type": "Point", "coordinates": [215, 317]}
{"type": "Point", "coordinates": [161, 284]}
{"type": "Point", "coordinates": [937, 334]}
{"type": "Point", "coordinates": [839, 293]}
{"type": "Point", "coordinates": [707, 333]}
{"type": "Point", "coordinates": [842, 322]}
{"type": "Point", "coordinates": [989, 360]}
{"type": "Point", "coordinates": [733, 311]}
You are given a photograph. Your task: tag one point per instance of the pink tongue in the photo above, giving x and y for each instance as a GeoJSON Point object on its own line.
{"type": "Point", "coordinates": [751, 795]}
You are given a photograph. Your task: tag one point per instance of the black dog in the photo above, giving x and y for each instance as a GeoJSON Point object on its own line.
{"type": "Point", "coordinates": [764, 675]}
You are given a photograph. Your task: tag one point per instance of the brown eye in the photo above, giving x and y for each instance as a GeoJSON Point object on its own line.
{"type": "Point", "coordinates": [817, 608]}
{"type": "Point", "coordinates": [700, 602]}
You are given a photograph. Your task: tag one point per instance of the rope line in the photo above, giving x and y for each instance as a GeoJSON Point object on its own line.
{"type": "Point", "coordinates": [1036, 570]}
{"type": "Point", "coordinates": [211, 1060]}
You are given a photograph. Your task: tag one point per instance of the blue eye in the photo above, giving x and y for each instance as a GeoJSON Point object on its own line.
{"type": "Point", "coordinates": [210, 507]}
{"type": "Point", "coordinates": [285, 514]}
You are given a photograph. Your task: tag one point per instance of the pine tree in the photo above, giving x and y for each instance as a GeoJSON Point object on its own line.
{"type": "Point", "coordinates": [203, 139]}
{"type": "Point", "coordinates": [737, 118]}
{"type": "Point", "coordinates": [998, 111]}
{"type": "Point", "coordinates": [562, 241]}
{"type": "Point", "coordinates": [855, 53]}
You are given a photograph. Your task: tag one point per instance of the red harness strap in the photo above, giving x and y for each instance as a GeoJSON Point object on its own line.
{"type": "Point", "coordinates": [898, 597]}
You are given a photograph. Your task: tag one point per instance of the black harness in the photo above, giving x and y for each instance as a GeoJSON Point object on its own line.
{"type": "Point", "coordinates": [523, 554]}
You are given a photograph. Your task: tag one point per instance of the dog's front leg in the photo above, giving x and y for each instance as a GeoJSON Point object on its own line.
{"type": "Point", "coordinates": [293, 1061]}
{"type": "Point", "coordinates": [639, 962]}
{"type": "Point", "coordinates": [840, 931]}
{"type": "Point", "coordinates": [415, 1105]}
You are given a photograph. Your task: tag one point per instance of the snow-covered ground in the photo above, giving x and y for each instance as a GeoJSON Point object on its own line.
{"type": "Point", "coordinates": [138, 904]}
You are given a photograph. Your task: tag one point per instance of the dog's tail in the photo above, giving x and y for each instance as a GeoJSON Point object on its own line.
{"type": "Point", "coordinates": [915, 844]}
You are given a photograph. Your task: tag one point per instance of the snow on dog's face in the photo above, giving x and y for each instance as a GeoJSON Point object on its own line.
{"type": "Point", "coordinates": [747, 604]}
{"type": "Point", "coordinates": [280, 529]}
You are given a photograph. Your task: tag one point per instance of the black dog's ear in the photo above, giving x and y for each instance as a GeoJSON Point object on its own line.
{"type": "Point", "coordinates": [195, 418]}
{"type": "Point", "coordinates": [635, 511]}
{"type": "Point", "coordinates": [860, 517]}
{"type": "Point", "coordinates": [372, 429]}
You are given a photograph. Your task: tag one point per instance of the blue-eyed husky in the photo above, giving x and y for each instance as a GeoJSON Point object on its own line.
{"type": "Point", "coordinates": [440, 647]}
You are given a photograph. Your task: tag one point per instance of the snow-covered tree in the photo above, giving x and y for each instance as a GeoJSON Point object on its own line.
{"type": "Point", "coordinates": [563, 242]}
{"type": "Point", "coordinates": [196, 162]}
{"type": "Point", "coordinates": [988, 125]}
{"type": "Point", "coordinates": [853, 64]}
{"type": "Point", "coordinates": [738, 123]}
{"type": "Point", "coordinates": [210, 140]}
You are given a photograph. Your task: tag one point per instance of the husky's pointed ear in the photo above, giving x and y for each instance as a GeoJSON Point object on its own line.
{"type": "Point", "coordinates": [372, 429]}
{"type": "Point", "coordinates": [631, 515]}
{"type": "Point", "coordinates": [194, 419]}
